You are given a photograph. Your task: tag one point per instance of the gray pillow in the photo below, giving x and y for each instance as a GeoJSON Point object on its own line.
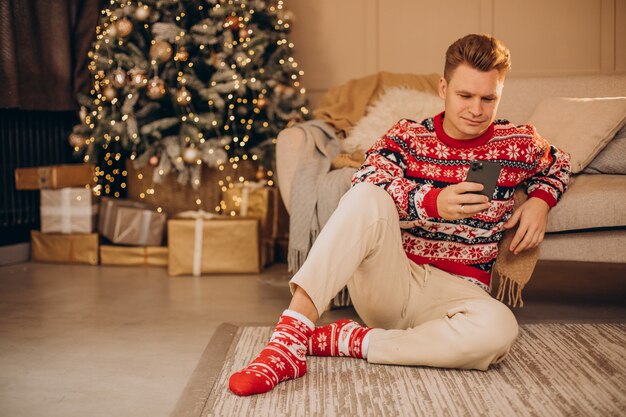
{"type": "Point", "coordinates": [612, 159]}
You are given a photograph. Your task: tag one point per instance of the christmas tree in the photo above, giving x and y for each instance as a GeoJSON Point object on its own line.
{"type": "Point", "coordinates": [187, 85]}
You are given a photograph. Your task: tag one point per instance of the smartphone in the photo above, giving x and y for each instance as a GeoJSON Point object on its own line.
{"type": "Point", "coordinates": [485, 173]}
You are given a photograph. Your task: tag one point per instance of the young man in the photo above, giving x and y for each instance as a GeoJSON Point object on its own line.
{"type": "Point", "coordinates": [415, 243]}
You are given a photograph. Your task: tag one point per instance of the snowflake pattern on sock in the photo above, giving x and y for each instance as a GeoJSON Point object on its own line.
{"type": "Point", "coordinates": [283, 358]}
{"type": "Point", "coordinates": [342, 338]}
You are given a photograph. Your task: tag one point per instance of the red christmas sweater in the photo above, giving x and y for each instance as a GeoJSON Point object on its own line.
{"type": "Point", "coordinates": [414, 161]}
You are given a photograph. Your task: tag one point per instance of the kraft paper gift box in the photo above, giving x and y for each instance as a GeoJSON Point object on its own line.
{"type": "Point", "coordinates": [68, 210]}
{"type": "Point", "coordinates": [57, 248]}
{"type": "Point", "coordinates": [54, 177]}
{"type": "Point", "coordinates": [131, 223]}
{"type": "Point", "coordinates": [201, 242]}
{"type": "Point", "coordinates": [254, 199]}
{"type": "Point", "coordinates": [133, 255]}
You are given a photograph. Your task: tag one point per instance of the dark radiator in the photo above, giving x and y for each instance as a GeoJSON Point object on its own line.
{"type": "Point", "coordinates": [27, 139]}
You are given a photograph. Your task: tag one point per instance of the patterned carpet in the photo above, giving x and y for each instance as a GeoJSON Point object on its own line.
{"type": "Point", "coordinates": [553, 370]}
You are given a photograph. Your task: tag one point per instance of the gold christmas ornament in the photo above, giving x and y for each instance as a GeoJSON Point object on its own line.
{"type": "Point", "coordinates": [110, 93]}
{"type": "Point", "coordinates": [191, 155]}
{"type": "Point", "coordinates": [76, 141]}
{"type": "Point", "coordinates": [289, 92]}
{"type": "Point", "coordinates": [261, 103]}
{"type": "Point", "coordinates": [183, 96]}
{"type": "Point", "coordinates": [279, 89]}
{"type": "Point", "coordinates": [138, 78]}
{"type": "Point", "coordinates": [156, 88]}
{"type": "Point", "coordinates": [124, 27]}
{"type": "Point", "coordinates": [243, 33]}
{"type": "Point", "coordinates": [142, 12]}
{"type": "Point", "coordinates": [161, 51]}
{"type": "Point", "coordinates": [260, 174]}
{"type": "Point", "coordinates": [118, 79]}
{"type": "Point", "coordinates": [112, 30]}
{"type": "Point", "coordinates": [153, 161]}
{"type": "Point", "coordinates": [287, 16]}
{"type": "Point", "coordinates": [181, 54]}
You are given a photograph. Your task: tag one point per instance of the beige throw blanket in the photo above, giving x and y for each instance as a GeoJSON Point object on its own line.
{"type": "Point", "coordinates": [343, 106]}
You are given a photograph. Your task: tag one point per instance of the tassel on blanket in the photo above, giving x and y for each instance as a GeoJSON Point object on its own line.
{"type": "Point", "coordinates": [514, 270]}
{"type": "Point", "coordinates": [512, 290]}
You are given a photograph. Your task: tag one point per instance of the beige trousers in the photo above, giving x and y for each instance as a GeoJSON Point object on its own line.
{"type": "Point", "coordinates": [421, 314]}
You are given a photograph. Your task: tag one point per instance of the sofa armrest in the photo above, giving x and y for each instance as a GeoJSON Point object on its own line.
{"type": "Point", "coordinates": [289, 147]}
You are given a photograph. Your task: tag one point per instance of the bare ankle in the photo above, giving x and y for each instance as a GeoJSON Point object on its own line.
{"type": "Point", "coordinates": [302, 303]}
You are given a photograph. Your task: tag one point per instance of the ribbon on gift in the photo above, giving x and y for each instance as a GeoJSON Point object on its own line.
{"type": "Point", "coordinates": [106, 213]}
{"type": "Point", "coordinates": [199, 216]}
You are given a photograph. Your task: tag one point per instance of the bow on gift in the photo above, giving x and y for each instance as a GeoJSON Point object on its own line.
{"type": "Point", "coordinates": [199, 216]}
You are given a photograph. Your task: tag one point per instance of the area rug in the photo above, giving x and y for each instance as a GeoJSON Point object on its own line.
{"type": "Point", "coordinates": [553, 370]}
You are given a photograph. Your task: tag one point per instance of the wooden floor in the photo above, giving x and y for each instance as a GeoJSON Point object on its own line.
{"type": "Point", "coordinates": [107, 341]}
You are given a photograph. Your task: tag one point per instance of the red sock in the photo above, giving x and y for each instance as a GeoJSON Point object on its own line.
{"type": "Point", "coordinates": [283, 358]}
{"type": "Point", "coordinates": [342, 338]}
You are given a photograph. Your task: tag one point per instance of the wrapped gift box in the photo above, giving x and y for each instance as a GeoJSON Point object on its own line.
{"type": "Point", "coordinates": [213, 245]}
{"type": "Point", "coordinates": [137, 255]}
{"type": "Point", "coordinates": [54, 177]}
{"type": "Point", "coordinates": [261, 202]}
{"type": "Point", "coordinates": [78, 249]}
{"type": "Point", "coordinates": [173, 197]}
{"type": "Point", "coordinates": [130, 222]}
{"type": "Point", "coordinates": [68, 210]}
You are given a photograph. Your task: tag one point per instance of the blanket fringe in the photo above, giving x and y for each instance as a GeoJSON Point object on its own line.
{"type": "Point", "coordinates": [511, 290]}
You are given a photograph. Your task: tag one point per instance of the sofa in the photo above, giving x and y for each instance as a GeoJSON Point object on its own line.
{"type": "Point", "coordinates": [589, 223]}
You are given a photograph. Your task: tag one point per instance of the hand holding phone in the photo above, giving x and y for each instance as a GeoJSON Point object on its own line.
{"type": "Point", "coordinates": [485, 173]}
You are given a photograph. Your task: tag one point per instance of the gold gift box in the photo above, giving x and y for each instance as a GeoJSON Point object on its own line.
{"type": "Point", "coordinates": [130, 222]}
{"type": "Point", "coordinates": [135, 256]}
{"type": "Point", "coordinates": [76, 249]}
{"type": "Point", "coordinates": [68, 210]}
{"type": "Point", "coordinates": [218, 245]}
{"type": "Point", "coordinates": [173, 197]}
{"type": "Point", "coordinates": [54, 177]}
{"type": "Point", "coordinates": [263, 203]}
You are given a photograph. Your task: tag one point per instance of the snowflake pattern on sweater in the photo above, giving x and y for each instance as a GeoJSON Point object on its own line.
{"type": "Point", "coordinates": [414, 161]}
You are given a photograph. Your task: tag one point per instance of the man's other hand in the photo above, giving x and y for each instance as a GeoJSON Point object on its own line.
{"type": "Point", "coordinates": [533, 219]}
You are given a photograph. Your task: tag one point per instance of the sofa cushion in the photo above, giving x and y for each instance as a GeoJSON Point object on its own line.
{"type": "Point", "coordinates": [394, 104]}
{"type": "Point", "coordinates": [612, 159]}
{"type": "Point", "coordinates": [591, 201]}
{"type": "Point", "coordinates": [580, 126]}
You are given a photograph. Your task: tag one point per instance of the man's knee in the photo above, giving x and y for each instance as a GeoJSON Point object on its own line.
{"type": "Point", "coordinates": [501, 331]}
{"type": "Point", "coordinates": [364, 196]}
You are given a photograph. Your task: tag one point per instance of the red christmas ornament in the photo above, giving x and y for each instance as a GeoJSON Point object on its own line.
{"type": "Point", "coordinates": [232, 22]}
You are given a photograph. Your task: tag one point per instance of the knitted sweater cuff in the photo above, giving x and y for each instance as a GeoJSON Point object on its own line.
{"type": "Point", "coordinates": [545, 196]}
{"type": "Point", "coordinates": [430, 202]}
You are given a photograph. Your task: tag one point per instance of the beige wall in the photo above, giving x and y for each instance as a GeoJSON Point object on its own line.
{"type": "Point", "coordinates": [337, 40]}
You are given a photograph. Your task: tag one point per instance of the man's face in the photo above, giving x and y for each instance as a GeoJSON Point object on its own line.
{"type": "Point", "coordinates": [471, 100]}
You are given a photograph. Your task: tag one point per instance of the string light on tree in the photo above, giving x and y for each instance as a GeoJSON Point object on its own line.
{"type": "Point", "coordinates": [212, 77]}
